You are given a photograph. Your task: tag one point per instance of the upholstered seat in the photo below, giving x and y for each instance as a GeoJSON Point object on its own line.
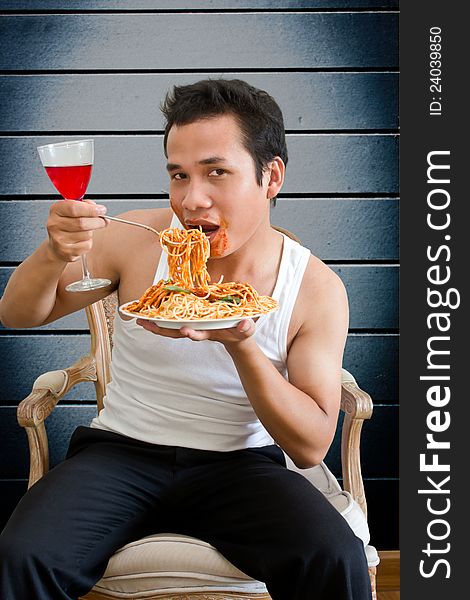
{"type": "Point", "coordinates": [172, 563]}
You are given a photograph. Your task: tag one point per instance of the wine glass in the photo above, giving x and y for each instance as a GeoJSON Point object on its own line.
{"type": "Point", "coordinates": [68, 165]}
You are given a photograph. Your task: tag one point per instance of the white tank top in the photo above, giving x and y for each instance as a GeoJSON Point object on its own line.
{"type": "Point", "coordinates": [182, 393]}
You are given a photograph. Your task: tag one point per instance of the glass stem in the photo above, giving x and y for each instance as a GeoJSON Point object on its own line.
{"type": "Point", "coordinates": [86, 272]}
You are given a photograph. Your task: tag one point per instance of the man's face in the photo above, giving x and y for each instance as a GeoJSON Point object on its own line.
{"type": "Point", "coordinates": [213, 182]}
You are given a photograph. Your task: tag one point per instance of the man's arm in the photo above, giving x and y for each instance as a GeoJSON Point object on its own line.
{"type": "Point", "coordinates": [301, 414]}
{"type": "Point", "coordinates": [35, 293]}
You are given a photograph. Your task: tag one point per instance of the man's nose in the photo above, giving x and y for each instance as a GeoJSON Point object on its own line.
{"type": "Point", "coordinates": [196, 197]}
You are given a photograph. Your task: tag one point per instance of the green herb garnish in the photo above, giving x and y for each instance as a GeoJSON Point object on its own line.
{"type": "Point", "coordinates": [232, 299]}
{"type": "Point", "coordinates": [176, 288]}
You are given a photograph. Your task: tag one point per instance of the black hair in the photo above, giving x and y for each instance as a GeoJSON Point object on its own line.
{"type": "Point", "coordinates": [257, 113]}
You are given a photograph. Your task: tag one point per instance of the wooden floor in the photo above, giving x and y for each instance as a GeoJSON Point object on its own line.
{"type": "Point", "coordinates": [388, 575]}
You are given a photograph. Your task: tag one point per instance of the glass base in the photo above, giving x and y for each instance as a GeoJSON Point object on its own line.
{"type": "Point", "coordinates": [86, 285]}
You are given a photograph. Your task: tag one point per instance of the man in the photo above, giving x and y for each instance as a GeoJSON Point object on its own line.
{"type": "Point", "coordinates": [191, 434]}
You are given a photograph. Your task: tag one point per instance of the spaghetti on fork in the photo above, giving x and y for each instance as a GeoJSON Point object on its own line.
{"type": "Point", "coordinates": [188, 294]}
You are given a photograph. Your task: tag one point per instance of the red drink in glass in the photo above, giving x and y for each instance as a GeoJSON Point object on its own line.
{"type": "Point", "coordinates": [71, 182]}
{"type": "Point", "coordinates": [68, 165]}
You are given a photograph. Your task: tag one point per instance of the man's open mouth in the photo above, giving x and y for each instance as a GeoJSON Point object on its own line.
{"type": "Point", "coordinates": [210, 229]}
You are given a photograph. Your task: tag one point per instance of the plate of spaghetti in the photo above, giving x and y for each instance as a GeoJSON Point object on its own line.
{"type": "Point", "coordinates": [187, 297]}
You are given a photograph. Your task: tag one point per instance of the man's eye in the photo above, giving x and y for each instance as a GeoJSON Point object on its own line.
{"type": "Point", "coordinates": [217, 172]}
{"type": "Point", "coordinates": [178, 176]}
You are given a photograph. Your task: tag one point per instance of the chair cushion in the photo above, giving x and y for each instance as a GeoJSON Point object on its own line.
{"type": "Point", "coordinates": [176, 563]}
{"type": "Point", "coordinates": [351, 511]}
{"type": "Point", "coordinates": [320, 476]}
{"type": "Point", "coordinates": [172, 563]}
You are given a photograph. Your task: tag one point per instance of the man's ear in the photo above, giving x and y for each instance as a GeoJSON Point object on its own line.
{"type": "Point", "coordinates": [276, 170]}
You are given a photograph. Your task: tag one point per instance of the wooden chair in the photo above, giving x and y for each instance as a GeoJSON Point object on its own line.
{"type": "Point", "coordinates": [129, 569]}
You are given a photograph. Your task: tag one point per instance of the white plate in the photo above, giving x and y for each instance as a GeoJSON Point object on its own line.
{"type": "Point", "coordinates": [224, 323]}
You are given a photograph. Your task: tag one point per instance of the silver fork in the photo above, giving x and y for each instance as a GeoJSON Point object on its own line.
{"type": "Point", "coordinates": [131, 223]}
{"type": "Point", "coordinates": [137, 225]}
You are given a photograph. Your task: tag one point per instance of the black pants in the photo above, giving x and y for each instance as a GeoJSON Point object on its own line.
{"type": "Point", "coordinates": [267, 520]}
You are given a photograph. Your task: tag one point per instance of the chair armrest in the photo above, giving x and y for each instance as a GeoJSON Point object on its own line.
{"type": "Point", "coordinates": [50, 387]}
{"type": "Point", "coordinates": [357, 406]}
{"type": "Point", "coordinates": [47, 390]}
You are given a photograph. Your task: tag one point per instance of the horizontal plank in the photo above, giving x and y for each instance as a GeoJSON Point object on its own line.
{"type": "Point", "coordinates": [334, 163]}
{"type": "Point", "coordinates": [60, 426]}
{"type": "Point", "coordinates": [372, 358]}
{"type": "Point", "coordinates": [372, 293]}
{"type": "Point", "coordinates": [383, 512]}
{"type": "Point", "coordinates": [323, 101]}
{"type": "Point", "coordinates": [76, 321]}
{"type": "Point", "coordinates": [203, 41]}
{"type": "Point", "coordinates": [381, 494]}
{"type": "Point", "coordinates": [111, 5]}
{"type": "Point", "coordinates": [379, 444]}
{"type": "Point", "coordinates": [23, 358]}
{"type": "Point", "coordinates": [359, 229]}
{"type": "Point", "coordinates": [379, 440]}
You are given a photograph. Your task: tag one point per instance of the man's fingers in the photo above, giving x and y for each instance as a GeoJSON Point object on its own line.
{"type": "Point", "coordinates": [100, 209]}
{"type": "Point", "coordinates": [247, 327]}
{"type": "Point", "coordinates": [76, 208]}
{"type": "Point", "coordinates": [74, 224]}
{"type": "Point", "coordinates": [195, 335]}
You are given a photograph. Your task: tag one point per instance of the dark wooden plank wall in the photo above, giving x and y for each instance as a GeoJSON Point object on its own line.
{"type": "Point", "coordinates": [100, 68]}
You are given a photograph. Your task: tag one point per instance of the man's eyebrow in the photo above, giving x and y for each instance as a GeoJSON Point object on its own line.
{"type": "Point", "coordinates": [211, 160]}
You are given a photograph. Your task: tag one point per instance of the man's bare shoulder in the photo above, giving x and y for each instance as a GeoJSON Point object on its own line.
{"type": "Point", "coordinates": [319, 279]}
{"type": "Point", "coordinates": [322, 296]}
